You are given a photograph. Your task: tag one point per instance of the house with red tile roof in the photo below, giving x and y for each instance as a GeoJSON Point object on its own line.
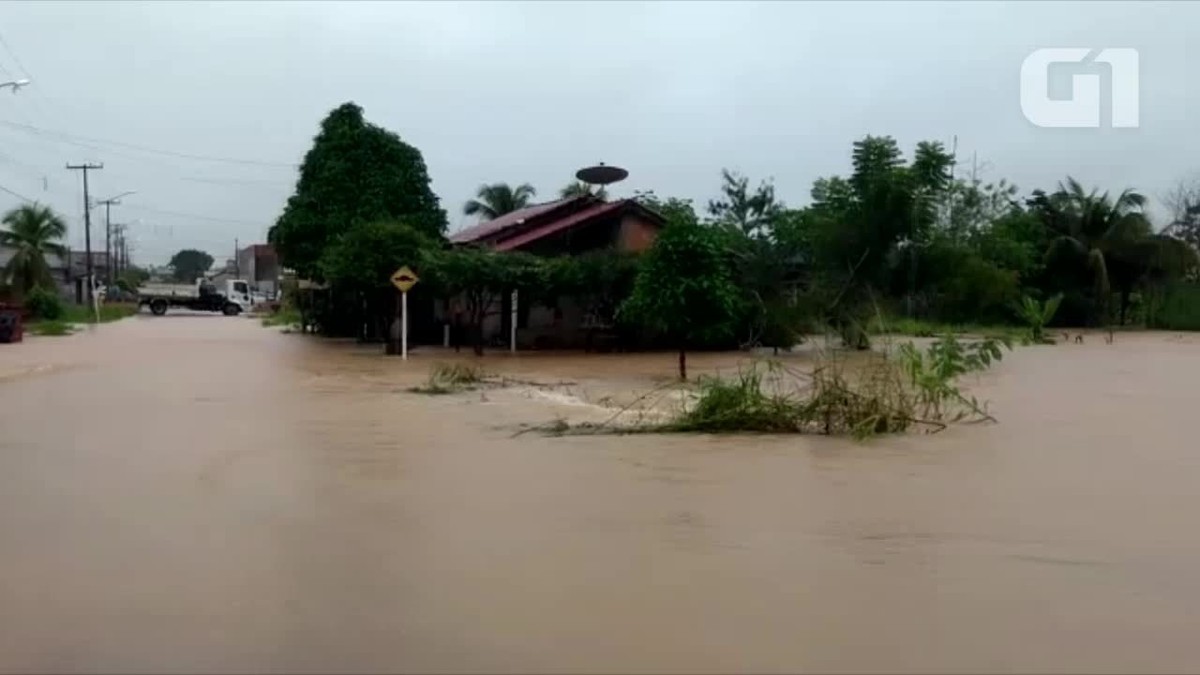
{"type": "Point", "coordinates": [570, 226]}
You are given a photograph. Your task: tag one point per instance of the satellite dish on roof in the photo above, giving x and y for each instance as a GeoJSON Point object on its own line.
{"type": "Point", "coordinates": [601, 174]}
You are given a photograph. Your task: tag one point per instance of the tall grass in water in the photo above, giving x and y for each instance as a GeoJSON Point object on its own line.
{"type": "Point", "coordinates": [447, 378]}
{"type": "Point", "coordinates": [882, 394]}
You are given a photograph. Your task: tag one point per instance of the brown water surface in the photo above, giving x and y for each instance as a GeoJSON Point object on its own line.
{"type": "Point", "coordinates": [197, 493]}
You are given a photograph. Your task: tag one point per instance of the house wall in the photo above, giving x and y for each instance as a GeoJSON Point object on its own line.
{"type": "Point", "coordinates": [636, 234]}
{"type": "Point", "coordinates": [259, 265]}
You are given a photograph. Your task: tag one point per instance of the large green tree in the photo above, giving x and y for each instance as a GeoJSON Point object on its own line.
{"type": "Point", "coordinates": [190, 264]}
{"type": "Point", "coordinates": [752, 212]}
{"type": "Point", "coordinates": [33, 233]}
{"type": "Point", "coordinates": [364, 257]}
{"type": "Point", "coordinates": [492, 201]}
{"type": "Point", "coordinates": [683, 288]}
{"type": "Point", "coordinates": [1111, 236]}
{"type": "Point", "coordinates": [355, 172]}
{"type": "Point", "coordinates": [860, 223]}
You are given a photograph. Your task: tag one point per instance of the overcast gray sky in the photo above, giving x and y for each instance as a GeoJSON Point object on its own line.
{"type": "Point", "coordinates": [520, 92]}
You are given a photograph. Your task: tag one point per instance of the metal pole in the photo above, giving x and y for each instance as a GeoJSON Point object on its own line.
{"type": "Point", "coordinates": [404, 325]}
{"type": "Point", "coordinates": [512, 329]}
{"type": "Point", "coordinates": [108, 281]}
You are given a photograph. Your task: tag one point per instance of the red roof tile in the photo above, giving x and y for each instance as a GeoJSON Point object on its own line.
{"type": "Point", "coordinates": [496, 225]}
{"type": "Point", "coordinates": [561, 224]}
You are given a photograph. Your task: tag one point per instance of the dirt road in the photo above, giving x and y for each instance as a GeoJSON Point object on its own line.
{"type": "Point", "coordinates": [197, 493]}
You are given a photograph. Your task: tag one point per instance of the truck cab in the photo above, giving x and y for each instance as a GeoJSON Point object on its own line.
{"type": "Point", "coordinates": [238, 290]}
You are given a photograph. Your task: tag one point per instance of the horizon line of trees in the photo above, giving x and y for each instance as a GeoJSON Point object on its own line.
{"type": "Point", "coordinates": [900, 236]}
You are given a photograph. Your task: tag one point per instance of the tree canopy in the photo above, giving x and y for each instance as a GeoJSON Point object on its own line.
{"type": "Point", "coordinates": [497, 199]}
{"type": "Point", "coordinates": [33, 232]}
{"type": "Point", "coordinates": [190, 264]}
{"type": "Point", "coordinates": [355, 173]}
{"type": "Point", "coordinates": [365, 256]}
{"type": "Point", "coordinates": [683, 288]}
{"type": "Point", "coordinates": [580, 189]}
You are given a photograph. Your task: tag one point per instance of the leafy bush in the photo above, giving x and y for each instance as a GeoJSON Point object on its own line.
{"type": "Point", "coordinates": [447, 378]}
{"type": "Point", "coordinates": [1037, 315]}
{"type": "Point", "coordinates": [879, 395]}
{"type": "Point", "coordinates": [1178, 308]}
{"type": "Point", "coordinates": [54, 328]}
{"type": "Point", "coordinates": [44, 304]}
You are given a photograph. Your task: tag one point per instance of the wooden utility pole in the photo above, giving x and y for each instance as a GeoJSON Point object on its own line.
{"type": "Point", "coordinates": [87, 224]}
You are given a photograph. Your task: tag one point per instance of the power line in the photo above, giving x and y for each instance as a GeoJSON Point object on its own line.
{"type": "Point", "coordinates": [13, 54]}
{"type": "Point", "coordinates": [18, 195]}
{"type": "Point", "coordinates": [156, 162]}
{"type": "Point", "coordinates": [67, 137]}
{"type": "Point", "coordinates": [193, 216]}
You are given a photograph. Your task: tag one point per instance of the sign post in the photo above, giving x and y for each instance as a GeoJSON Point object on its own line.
{"type": "Point", "coordinates": [404, 279]}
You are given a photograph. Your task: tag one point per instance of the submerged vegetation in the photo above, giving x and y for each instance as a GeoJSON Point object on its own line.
{"type": "Point", "coordinates": [1037, 315]}
{"type": "Point", "coordinates": [450, 378]}
{"type": "Point", "coordinates": [882, 394]}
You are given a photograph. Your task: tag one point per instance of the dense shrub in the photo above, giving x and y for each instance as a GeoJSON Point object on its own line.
{"type": "Point", "coordinates": [44, 304]}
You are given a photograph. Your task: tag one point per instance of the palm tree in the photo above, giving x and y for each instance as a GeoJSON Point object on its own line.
{"type": "Point", "coordinates": [580, 189]}
{"type": "Point", "coordinates": [1115, 238]}
{"type": "Point", "coordinates": [34, 231]}
{"type": "Point", "coordinates": [498, 199]}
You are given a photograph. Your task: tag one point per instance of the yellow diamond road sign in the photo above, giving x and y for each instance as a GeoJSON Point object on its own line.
{"type": "Point", "coordinates": [404, 279]}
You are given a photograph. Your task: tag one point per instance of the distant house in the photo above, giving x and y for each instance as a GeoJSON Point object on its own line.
{"type": "Point", "coordinates": [69, 274]}
{"type": "Point", "coordinates": [259, 264]}
{"type": "Point", "coordinates": [571, 226]}
{"type": "Point", "coordinates": [568, 226]}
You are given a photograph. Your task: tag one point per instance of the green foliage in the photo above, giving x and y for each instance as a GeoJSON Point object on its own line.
{"type": "Point", "coordinates": [476, 279]}
{"type": "Point", "coordinates": [599, 281]}
{"type": "Point", "coordinates": [750, 212]}
{"type": "Point", "coordinates": [932, 374]}
{"type": "Point", "coordinates": [683, 288]}
{"type": "Point", "coordinates": [354, 173]}
{"type": "Point", "coordinates": [498, 199]}
{"type": "Point", "coordinates": [580, 189]}
{"type": "Point", "coordinates": [857, 223]}
{"type": "Point", "coordinates": [1037, 316]}
{"type": "Point", "coordinates": [34, 232]}
{"type": "Point", "coordinates": [1177, 308]}
{"type": "Point", "coordinates": [672, 209]}
{"type": "Point", "coordinates": [366, 255]}
{"type": "Point", "coordinates": [44, 304]}
{"type": "Point", "coordinates": [288, 317]}
{"type": "Point", "coordinates": [132, 277]}
{"type": "Point", "coordinates": [880, 395]}
{"type": "Point", "coordinates": [449, 378]}
{"type": "Point", "coordinates": [50, 328]}
{"type": "Point", "coordinates": [190, 264]}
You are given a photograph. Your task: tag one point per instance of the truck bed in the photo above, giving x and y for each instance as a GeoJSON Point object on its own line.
{"type": "Point", "coordinates": [168, 291]}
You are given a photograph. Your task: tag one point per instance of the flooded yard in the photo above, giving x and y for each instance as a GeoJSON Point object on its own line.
{"type": "Point", "coordinates": [196, 493]}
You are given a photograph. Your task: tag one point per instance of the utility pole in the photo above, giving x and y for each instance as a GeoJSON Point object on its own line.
{"type": "Point", "coordinates": [108, 265]}
{"type": "Point", "coordinates": [237, 264]}
{"type": "Point", "coordinates": [87, 222]}
{"type": "Point", "coordinates": [118, 230]}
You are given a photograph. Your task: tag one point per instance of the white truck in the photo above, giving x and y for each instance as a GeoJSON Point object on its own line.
{"type": "Point", "coordinates": [203, 296]}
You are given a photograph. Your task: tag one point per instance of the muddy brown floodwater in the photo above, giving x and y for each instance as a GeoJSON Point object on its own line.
{"type": "Point", "coordinates": [196, 493]}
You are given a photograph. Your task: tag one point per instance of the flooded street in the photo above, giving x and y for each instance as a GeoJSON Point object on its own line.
{"type": "Point", "coordinates": [197, 493]}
